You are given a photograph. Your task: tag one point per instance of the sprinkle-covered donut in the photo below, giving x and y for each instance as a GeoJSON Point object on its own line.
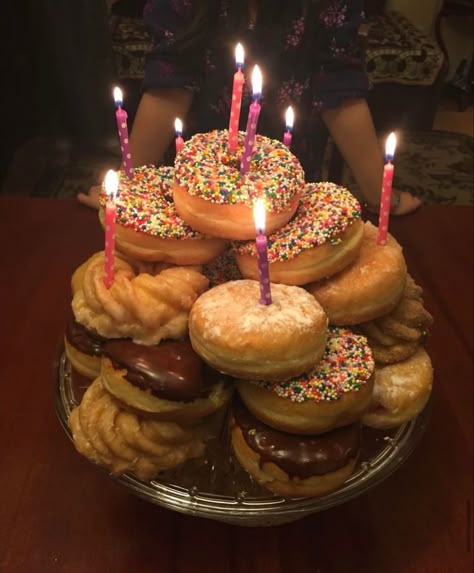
{"type": "Point", "coordinates": [148, 226]}
{"type": "Point", "coordinates": [335, 393]}
{"type": "Point", "coordinates": [213, 197]}
{"type": "Point", "coordinates": [321, 239]}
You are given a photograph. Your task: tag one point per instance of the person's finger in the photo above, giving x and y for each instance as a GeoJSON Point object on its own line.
{"type": "Point", "coordinates": [88, 200]}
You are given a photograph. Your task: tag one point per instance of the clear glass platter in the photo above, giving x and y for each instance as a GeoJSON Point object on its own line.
{"type": "Point", "coordinates": [216, 487]}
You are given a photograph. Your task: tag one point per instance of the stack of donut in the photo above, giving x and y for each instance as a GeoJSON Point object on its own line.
{"type": "Point", "coordinates": [341, 345]}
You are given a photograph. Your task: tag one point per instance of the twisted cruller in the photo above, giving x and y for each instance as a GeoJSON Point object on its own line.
{"type": "Point", "coordinates": [122, 442]}
{"type": "Point", "coordinates": [143, 307]}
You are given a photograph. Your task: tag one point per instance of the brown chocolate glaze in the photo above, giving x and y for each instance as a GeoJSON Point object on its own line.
{"type": "Point", "coordinates": [301, 456]}
{"type": "Point", "coordinates": [84, 340]}
{"type": "Point", "coordinates": [171, 370]}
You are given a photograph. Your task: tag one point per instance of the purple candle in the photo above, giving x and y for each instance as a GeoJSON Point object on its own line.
{"type": "Point", "coordinates": [121, 117]}
{"type": "Point", "coordinates": [252, 121]}
{"type": "Point", "coordinates": [262, 256]}
{"type": "Point", "coordinates": [289, 118]}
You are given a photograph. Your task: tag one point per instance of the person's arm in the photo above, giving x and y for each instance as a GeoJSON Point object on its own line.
{"type": "Point", "coordinates": [153, 127]}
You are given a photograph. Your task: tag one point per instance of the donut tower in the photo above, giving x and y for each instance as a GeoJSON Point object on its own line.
{"type": "Point", "coordinates": [181, 333]}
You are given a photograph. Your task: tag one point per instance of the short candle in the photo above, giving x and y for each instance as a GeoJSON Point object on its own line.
{"type": "Point", "coordinates": [289, 120]}
{"type": "Point", "coordinates": [178, 127]}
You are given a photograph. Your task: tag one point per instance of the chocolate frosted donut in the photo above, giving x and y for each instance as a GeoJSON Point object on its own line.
{"type": "Point", "coordinates": [168, 381]}
{"type": "Point", "coordinates": [289, 464]}
{"type": "Point", "coordinates": [83, 349]}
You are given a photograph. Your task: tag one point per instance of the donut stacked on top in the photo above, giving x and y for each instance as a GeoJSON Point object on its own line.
{"type": "Point", "coordinates": [164, 343]}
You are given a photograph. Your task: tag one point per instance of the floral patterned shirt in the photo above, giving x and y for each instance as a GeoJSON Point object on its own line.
{"type": "Point", "coordinates": [308, 51]}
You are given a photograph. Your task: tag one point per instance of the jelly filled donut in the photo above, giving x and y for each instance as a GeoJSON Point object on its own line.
{"type": "Point", "coordinates": [168, 382]}
{"type": "Point", "coordinates": [335, 393]}
{"type": "Point", "coordinates": [369, 287]}
{"type": "Point", "coordinates": [292, 465]}
{"type": "Point", "coordinates": [321, 239]}
{"type": "Point", "coordinates": [213, 197]}
{"type": "Point", "coordinates": [237, 335]}
{"type": "Point", "coordinates": [148, 227]}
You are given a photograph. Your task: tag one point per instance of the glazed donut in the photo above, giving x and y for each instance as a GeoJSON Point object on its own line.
{"type": "Point", "coordinates": [237, 335]}
{"type": "Point", "coordinates": [401, 391]}
{"type": "Point", "coordinates": [335, 393]}
{"type": "Point", "coordinates": [321, 239]}
{"type": "Point", "coordinates": [83, 349]}
{"type": "Point", "coordinates": [371, 286]}
{"type": "Point", "coordinates": [148, 227]}
{"type": "Point", "coordinates": [168, 382]}
{"type": "Point", "coordinates": [291, 465]}
{"type": "Point", "coordinates": [213, 197]}
{"type": "Point", "coordinates": [123, 442]}
{"type": "Point", "coordinates": [143, 307]}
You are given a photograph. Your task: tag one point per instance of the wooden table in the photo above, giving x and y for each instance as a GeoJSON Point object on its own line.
{"type": "Point", "coordinates": [57, 513]}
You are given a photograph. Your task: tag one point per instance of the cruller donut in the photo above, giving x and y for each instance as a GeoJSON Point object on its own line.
{"type": "Point", "coordinates": [213, 197]}
{"type": "Point", "coordinates": [335, 393]}
{"type": "Point", "coordinates": [369, 287]}
{"type": "Point", "coordinates": [148, 228]}
{"type": "Point", "coordinates": [321, 239]}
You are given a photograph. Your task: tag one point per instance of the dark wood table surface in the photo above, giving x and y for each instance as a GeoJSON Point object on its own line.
{"type": "Point", "coordinates": [58, 513]}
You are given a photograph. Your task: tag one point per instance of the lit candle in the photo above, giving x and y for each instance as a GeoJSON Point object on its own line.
{"type": "Point", "coordinates": [289, 118]}
{"type": "Point", "coordinates": [384, 213]}
{"type": "Point", "coordinates": [252, 121]}
{"type": "Point", "coordinates": [237, 87]}
{"type": "Point", "coordinates": [262, 256]}
{"type": "Point", "coordinates": [178, 127]}
{"type": "Point", "coordinates": [121, 117]}
{"type": "Point", "coordinates": [111, 186]}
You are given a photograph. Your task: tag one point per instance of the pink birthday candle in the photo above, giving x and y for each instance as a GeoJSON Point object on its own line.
{"type": "Point", "coordinates": [252, 121]}
{"type": "Point", "coordinates": [111, 187]}
{"type": "Point", "coordinates": [121, 117]}
{"type": "Point", "coordinates": [262, 255]}
{"type": "Point", "coordinates": [178, 127]}
{"type": "Point", "coordinates": [236, 103]}
{"type": "Point", "coordinates": [289, 119]}
{"type": "Point", "coordinates": [385, 198]}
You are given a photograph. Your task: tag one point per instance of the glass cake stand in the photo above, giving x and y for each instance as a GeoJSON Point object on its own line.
{"type": "Point", "coordinates": [217, 488]}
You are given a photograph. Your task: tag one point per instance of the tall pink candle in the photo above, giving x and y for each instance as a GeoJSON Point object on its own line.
{"type": "Point", "coordinates": [111, 186]}
{"type": "Point", "coordinates": [262, 255]}
{"type": "Point", "coordinates": [385, 199]}
{"type": "Point", "coordinates": [252, 121]}
{"type": "Point", "coordinates": [289, 119]}
{"type": "Point", "coordinates": [236, 103]}
{"type": "Point", "coordinates": [178, 127]}
{"type": "Point", "coordinates": [121, 117]}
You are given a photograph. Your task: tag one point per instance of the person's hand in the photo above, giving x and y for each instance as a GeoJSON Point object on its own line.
{"type": "Point", "coordinates": [402, 203]}
{"type": "Point", "coordinates": [91, 198]}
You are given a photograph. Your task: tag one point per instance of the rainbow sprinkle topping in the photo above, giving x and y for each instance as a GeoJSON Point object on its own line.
{"type": "Point", "coordinates": [325, 210]}
{"type": "Point", "coordinates": [206, 169]}
{"type": "Point", "coordinates": [145, 204]}
{"type": "Point", "coordinates": [346, 366]}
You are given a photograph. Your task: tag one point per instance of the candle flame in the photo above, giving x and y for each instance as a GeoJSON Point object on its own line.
{"type": "Point", "coordinates": [390, 145]}
{"type": "Point", "coordinates": [290, 117]}
{"type": "Point", "coordinates": [256, 82]}
{"type": "Point", "coordinates": [239, 55]}
{"type": "Point", "coordinates": [259, 216]}
{"type": "Point", "coordinates": [111, 184]}
{"type": "Point", "coordinates": [178, 126]}
{"type": "Point", "coordinates": [118, 96]}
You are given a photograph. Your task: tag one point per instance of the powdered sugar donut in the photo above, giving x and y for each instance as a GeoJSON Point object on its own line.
{"type": "Point", "coordinates": [321, 239]}
{"type": "Point", "coordinates": [213, 197]}
{"type": "Point", "coordinates": [148, 228]}
{"type": "Point", "coordinates": [237, 335]}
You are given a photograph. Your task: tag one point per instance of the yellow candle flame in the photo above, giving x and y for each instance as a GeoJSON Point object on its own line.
{"type": "Point", "coordinates": [178, 126]}
{"type": "Point", "coordinates": [239, 55]}
{"type": "Point", "coordinates": [111, 184]}
{"type": "Point", "coordinates": [118, 96]}
{"type": "Point", "coordinates": [259, 216]}
{"type": "Point", "coordinates": [390, 145]}
{"type": "Point", "coordinates": [256, 81]}
{"type": "Point", "coordinates": [289, 117]}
